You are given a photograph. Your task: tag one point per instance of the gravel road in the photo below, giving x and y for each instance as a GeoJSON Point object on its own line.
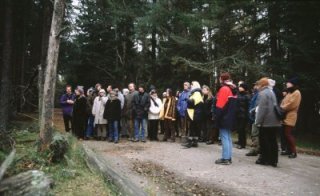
{"type": "Point", "coordinates": [168, 169]}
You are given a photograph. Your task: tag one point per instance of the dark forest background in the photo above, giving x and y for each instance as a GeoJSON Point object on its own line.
{"type": "Point", "coordinates": [164, 43]}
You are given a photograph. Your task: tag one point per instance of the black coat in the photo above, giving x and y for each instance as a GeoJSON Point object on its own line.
{"type": "Point", "coordinates": [79, 116]}
{"type": "Point", "coordinates": [243, 105]}
{"type": "Point", "coordinates": [112, 111]}
{"type": "Point", "coordinates": [140, 105]}
{"type": "Point", "coordinates": [207, 107]}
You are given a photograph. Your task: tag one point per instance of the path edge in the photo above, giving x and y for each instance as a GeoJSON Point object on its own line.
{"type": "Point", "coordinates": [122, 183]}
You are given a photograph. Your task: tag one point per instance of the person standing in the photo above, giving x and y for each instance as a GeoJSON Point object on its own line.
{"type": "Point", "coordinates": [194, 111]}
{"type": "Point", "coordinates": [290, 104]}
{"type": "Point", "coordinates": [207, 122]}
{"type": "Point", "coordinates": [182, 110]}
{"type": "Point", "coordinates": [169, 112]}
{"type": "Point", "coordinates": [252, 117]}
{"type": "Point", "coordinates": [66, 102]}
{"type": "Point", "coordinates": [268, 124]}
{"type": "Point", "coordinates": [242, 115]}
{"type": "Point", "coordinates": [153, 115]}
{"type": "Point", "coordinates": [97, 111]}
{"type": "Point", "coordinates": [96, 90]}
{"type": "Point", "coordinates": [161, 115]}
{"type": "Point", "coordinates": [90, 123]}
{"type": "Point", "coordinates": [127, 111]}
{"type": "Point", "coordinates": [226, 110]}
{"type": "Point", "coordinates": [79, 114]}
{"type": "Point", "coordinates": [140, 108]}
{"type": "Point", "coordinates": [112, 113]}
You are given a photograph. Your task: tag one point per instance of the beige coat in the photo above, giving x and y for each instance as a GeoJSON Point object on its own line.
{"type": "Point", "coordinates": [291, 104]}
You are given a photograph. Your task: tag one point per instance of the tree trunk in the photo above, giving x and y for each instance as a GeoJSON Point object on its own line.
{"type": "Point", "coordinates": [6, 68]}
{"type": "Point", "coordinates": [46, 122]}
{"type": "Point", "coordinates": [47, 17]}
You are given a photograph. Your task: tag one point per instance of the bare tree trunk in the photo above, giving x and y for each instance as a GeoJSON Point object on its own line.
{"type": "Point", "coordinates": [47, 17]}
{"type": "Point", "coordinates": [6, 68]}
{"type": "Point", "coordinates": [46, 122]}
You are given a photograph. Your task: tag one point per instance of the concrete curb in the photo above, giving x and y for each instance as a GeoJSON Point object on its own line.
{"type": "Point", "coordinates": [122, 184]}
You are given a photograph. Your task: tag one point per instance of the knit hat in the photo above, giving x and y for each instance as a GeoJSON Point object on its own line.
{"type": "Point", "coordinates": [293, 81]}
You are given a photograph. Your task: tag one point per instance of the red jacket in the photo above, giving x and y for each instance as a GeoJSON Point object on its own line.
{"type": "Point", "coordinates": [222, 96]}
{"type": "Point", "coordinates": [226, 108]}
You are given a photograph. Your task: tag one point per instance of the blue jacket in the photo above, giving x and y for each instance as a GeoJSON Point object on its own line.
{"type": "Point", "coordinates": [182, 103]}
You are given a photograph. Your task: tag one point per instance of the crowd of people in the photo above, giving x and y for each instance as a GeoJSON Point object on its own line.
{"type": "Point", "coordinates": [194, 115]}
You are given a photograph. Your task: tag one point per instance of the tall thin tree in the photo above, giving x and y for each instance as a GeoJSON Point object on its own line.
{"type": "Point", "coordinates": [6, 68]}
{"type": "Point", "coordinates": [47, 110]}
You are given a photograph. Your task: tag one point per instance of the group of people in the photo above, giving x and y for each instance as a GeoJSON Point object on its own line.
{"type": "Point", "coordinates": [195, 115]}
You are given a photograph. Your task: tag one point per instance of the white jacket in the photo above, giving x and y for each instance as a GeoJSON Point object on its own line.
{"type": "Point", "coordinates": [154, 111]}
{"type": "Point", "coordinates": [98, 110]}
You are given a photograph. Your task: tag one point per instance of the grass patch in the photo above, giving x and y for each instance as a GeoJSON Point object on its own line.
{"type": "Point", "coordinates": [71, 176]}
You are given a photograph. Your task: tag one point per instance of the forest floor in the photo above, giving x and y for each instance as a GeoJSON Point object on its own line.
{"type": "Point", "coordinates": [168, 169]}
{"type": "Point", "coordinates": [70, 176]}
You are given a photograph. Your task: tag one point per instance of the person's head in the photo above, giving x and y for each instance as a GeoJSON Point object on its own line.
{"type": "Point", "coordinates": [292, 82]}
{"type": "Point", "coordinates": [79, 91]}
{"type": "Point", "coordinates": [186, 86]}
{"type": "Point", "coordinates": [263, 82]}
{"type": "Point", "coordinates": [164, 94]}
{"type": "Point", "coordinates": [132, 87]}
{"type": "Point", "coordinates": [195, 85]}
{"type": "Point", "coordinates": [272, 83]}
{"type": "Point", "coordinates": [113, 94]}
{"type": "Point", "coordinates": [169, 92]}
{"type": "Point", "coordinates": [141, 89]}
{"type": "Point", "coordinates": [243, 87]}
{"type": "Point", "coordinates": [206, 90]}
{"type": "Point", "coordinates": [98, 86]}
{"type": "Point", "coordinates": [68, 89]}
{"type": "Point", "coordinates": [102, 93]}
{"type": "Point", "coordinates": [109, 88]}
{"type": "Point", "coordinates": [125, 91]}
{"type": "Point", "coordinates": [116, 89]}
{"type": "Point", "coordinates": [153, 93]}
{"type": "Point", "coordinates": [240, 82]}
{"type": "Point", "coordinates": [90, 91]}
{"type": "Point", "coordinates": [225, 76]}
{"type": "Point", "coordinates": [284, 92]}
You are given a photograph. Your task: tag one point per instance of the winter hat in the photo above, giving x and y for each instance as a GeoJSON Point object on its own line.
{"type": "Point", "coordinates": [244, 86]}
{"type": "Point", "coordinates": [293, 81]}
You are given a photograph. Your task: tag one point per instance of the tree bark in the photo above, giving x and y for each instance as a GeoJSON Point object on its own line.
{"type": "Point", "coordinates": [47, 17]}
{"type": "Point", "coordinates": [46, 122]}
{"type": "Point", "coordinates": [6, 68]}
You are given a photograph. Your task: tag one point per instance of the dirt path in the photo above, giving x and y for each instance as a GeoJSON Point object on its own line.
{"type": "Point", "coordinates": [168, 169]}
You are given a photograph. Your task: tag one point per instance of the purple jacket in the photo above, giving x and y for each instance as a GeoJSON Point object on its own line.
{"type": "Point", "coordinates": [66, 107]}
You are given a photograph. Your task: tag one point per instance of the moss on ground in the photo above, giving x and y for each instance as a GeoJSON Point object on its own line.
{"type": "Point", "coordinates": [71, 176]}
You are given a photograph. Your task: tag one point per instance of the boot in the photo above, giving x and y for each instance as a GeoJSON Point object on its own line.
{"type": "Point", "coordinates": [293, 155]}
{"type": "Point", "coordinates": [194, 143]}
{"type": "Point", "coordinates": [188, 144]}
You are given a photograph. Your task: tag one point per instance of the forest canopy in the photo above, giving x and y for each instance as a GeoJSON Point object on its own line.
{"type": "Point", "coordinates": [164, 43]}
